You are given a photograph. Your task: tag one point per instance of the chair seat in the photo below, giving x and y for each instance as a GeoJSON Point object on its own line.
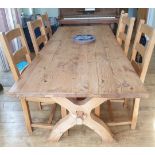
{"type": "Point", "coordinates": [22, 65]}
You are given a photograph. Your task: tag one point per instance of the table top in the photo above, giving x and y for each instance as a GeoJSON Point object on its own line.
{"type": "Point", "coordinates": [67, 69]}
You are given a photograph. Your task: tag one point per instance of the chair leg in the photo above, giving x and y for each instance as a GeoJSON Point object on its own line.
{"type": "Point", "coordinates": [135, 113]}
{"type": "Point", "coordinates": [1, 87]}
{"type": "Point", "coordinates": [53, 108]}
{"type": "Point", "coordinates": [125, 103]}
{"type": "Point", "coordinates": [110, 110]}
{"type": "Point", "coordinates": [39, 106]}
{"type": "Point", "coordinates": [27, 115]}
{"type": "Point", "coordinates": [97, 111]}
{"type": "Point", "coordinates": [63, 114]}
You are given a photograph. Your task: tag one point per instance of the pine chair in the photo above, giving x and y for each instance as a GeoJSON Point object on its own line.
{"type": "Point", "coordinates": [18, 62]}
{"type": "Point", "coordinates": [42, 39]}
{"type": "Point", "coordinates": [37, 41]}
{"type": "Point", "coordinates": [123, 37]}
{"type": "Point", "coordinates": [146, 53]}
{"type": "Point", "coordinates": [124, 31]}
{"type": "Point", "coordinates": [140, 68]}
{"type": "Point", "coordinates": [45, 20]}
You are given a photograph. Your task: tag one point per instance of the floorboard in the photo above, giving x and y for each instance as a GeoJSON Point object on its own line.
{"type": "Point", "coordinates": [13, 131]}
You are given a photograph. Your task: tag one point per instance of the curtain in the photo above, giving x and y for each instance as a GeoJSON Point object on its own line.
{"type": "Point", "coordinates": [8, 19]}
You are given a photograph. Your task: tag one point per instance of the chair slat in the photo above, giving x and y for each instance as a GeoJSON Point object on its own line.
{"type": "Point", "coordinates": [47, 30]}
{"type": "Point", "coordinates": [32, 25]}
{"type": "Point", "coordinates": [122, 36]}
{"type": "Point", "coordinates": [44, 17]}
{"type": "Point", "coordinates": [126, 20]}
{"type": "Point", "coordinates": [136, 67]}
{"type": "Point", "coordinates": [35, 24]}
{"type": "Point", "coordinates": [13, 34]}
{"type": "Point", "coordinates": [140, 48]}
{"type": "Point", "coordinates": [20, 55]}
{"type": "Point", "coordinates": [41, 39]}
{"type": "Point", "coordinates": [146, 30]}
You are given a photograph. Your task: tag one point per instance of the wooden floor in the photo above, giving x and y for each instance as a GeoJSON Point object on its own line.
{"type": "Point", "coordinates": [13, 131]}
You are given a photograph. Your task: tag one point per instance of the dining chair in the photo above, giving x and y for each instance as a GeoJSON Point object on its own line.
{"type": "Point", "coordinates": [32, 26]}
{"type": "Point", "coordinates": [124, 31]}
{"type": "Point", "coordinates": [123, 36]}
{"type": "Point", "coordinates": [18, 61]}
{"type": "Point", "coordinates": [38, 41]}
{"type": "Point", "coordinates": [46, 23]}
{"type": "Point", "coordinates": [140, 67]}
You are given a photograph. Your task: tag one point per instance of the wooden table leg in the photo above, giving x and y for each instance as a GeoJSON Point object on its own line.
{"type": "Point", "coordinates": [61, 127]}
{"type": "Point", "coordinates": [135, 113]}
{"type": "Point", "coordinates": [110, 110]}
{"type": "Point", "coordinates": [39, 106]}
{"type": "Point", "coordinates": [52, 112]}
{"type": "Point", "coordinates": [80, 114]}
{"type": "Point", "coordinates": [27, 115]}
{"type": "Point", "coordinates": [97, 111]}
{"type": "Point", "coordinates": [99, 127]}
{"type": "Point", "coordinates": [63, 114]}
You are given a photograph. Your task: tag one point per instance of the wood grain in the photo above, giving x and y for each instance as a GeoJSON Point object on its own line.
{"type": "Point", "coordinates": [146, 53]}
{"type": "Point", "coordinates": [67, 69]}
{"type": "Point", "coordinates": [124, 35]}
{"type": "Point", "coordinates": [47, 26]}
{"type": "Point", "coordinates": [37, 41]}
{"type": "Point", "coordinates": [141, 68]}
{"type": "Point", "coordinates": [16, 57]}
{"type": "Point", "coordinates": [80, 114]}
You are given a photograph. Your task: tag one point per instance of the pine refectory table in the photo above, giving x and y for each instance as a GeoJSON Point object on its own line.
{"type": "Point", "coordinates": [65, 70]}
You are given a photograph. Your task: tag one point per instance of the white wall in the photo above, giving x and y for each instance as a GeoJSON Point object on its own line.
{"type": "Point", "coordinates": [52, 12]}
{"type": "Point", "coordinates": [26, 11]}
{"type": "Point", "coordinates": [151, 17]}
{"type": "Point", "coordinates": [132, 12]}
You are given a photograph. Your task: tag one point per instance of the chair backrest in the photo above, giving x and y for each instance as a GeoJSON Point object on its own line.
{"type": "Point", "coordinates": [145, 51]}
{"type": "Point", "coordinates": [124, 31]}
{"type": "Point", "coordinates": [16, 57]}
{"type": "Point", "coordinates": [37, 41]}
{"type": "Point", "coordinates": [47, 24]}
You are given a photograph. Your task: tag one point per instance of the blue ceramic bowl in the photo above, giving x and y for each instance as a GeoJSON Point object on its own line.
{"type": "Point", "coordinates": [86, 38]}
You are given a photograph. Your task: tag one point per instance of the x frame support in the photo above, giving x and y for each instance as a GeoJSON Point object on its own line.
{"type": "Point", "coordinates": [80, 114]}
